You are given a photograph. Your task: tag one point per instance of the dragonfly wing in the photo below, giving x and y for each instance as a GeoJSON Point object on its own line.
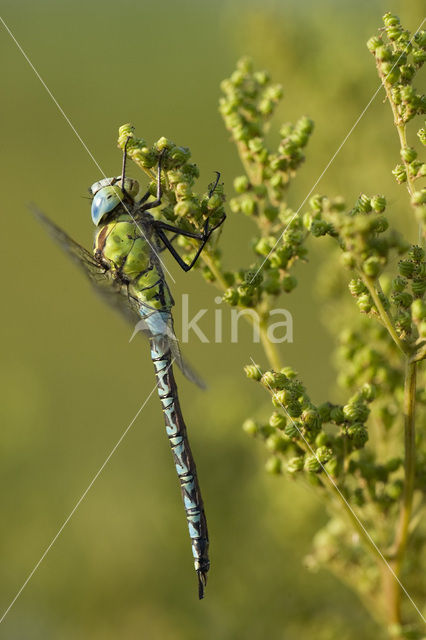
{"type": "Point", "coordinates": [157, 325]}
{"type": "Point", "coordinates": [104, 283]}
{"type": "Point", "coordinates": [145, 319]}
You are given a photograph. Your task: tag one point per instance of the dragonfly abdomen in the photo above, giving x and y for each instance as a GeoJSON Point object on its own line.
{"type": "Point", "coordinates": [184, 462]}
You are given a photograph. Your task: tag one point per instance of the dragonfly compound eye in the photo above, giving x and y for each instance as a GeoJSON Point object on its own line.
{"type": "Point", "coordinates": [105, 201]}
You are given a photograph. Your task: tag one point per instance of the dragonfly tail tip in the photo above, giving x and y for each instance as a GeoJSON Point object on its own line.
{"type": "Point", "coordinates": [202, 580]}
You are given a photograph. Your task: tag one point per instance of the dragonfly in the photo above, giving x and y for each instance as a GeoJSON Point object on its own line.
{"type": "Point", "coordinates": [126, 269]}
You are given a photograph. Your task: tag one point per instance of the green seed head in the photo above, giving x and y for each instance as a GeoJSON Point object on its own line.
{"type": "Point", "coordinates": [295, 464]}
{"type": "Point", "coordinates": [250, 427]}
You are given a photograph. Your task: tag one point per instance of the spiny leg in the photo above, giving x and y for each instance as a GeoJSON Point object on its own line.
{"type": "Point", "coordinates": [123, 168]}
{"type": "Point", "coordinates": [203, 237]}
{"type": "Point", "coordinates": [157, 201]}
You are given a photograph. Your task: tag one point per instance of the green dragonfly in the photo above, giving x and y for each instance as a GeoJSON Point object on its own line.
{"type": "Point", "coordinates": [125, 268]}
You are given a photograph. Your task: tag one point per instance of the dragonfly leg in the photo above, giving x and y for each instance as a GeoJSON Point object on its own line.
{"type": "Point", "coordinates": [123, 169]}
{"type": "Point", "coordinates": [216, 182]}
{"type": "Point", "coordinates": [172, 239]}
{"type": "Point", "coordinates": [161, 227]}
{"type": "Point", "coordinates": [157, 201]}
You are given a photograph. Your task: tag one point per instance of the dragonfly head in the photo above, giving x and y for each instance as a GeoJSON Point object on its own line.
{"type": "Point", "coordinates": [108, 195]}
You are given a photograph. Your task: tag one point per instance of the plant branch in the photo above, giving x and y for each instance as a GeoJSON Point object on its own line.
{"type": "Point", "coordinates": [385, 317]}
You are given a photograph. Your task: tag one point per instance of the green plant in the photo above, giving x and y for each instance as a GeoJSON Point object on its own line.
{"type": "Point", "coordinates": [365, 455]}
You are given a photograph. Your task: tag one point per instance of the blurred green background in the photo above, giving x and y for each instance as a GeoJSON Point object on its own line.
{"type": "Point", "coordinates": [70, 380]}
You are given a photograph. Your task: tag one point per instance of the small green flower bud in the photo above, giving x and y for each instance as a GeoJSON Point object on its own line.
{"type": "Point", "coordinates": [248, 206]}
{"type": "Point", "coordinates": [393, 464]}
{"type": "Point", "coordinates": [312, 464]}
{"type": "Point", "coordinates": [323, 454]}
{"type": "Point", "coordinates": [400, 173]}
{"type": "Point", "coordinates": [275, 381]}
{"type": "Point", "coordinates": [407, 72]}
{"type": "Point", "coordinates": [403, 299]}
{"type": "Point", "coordinates": [421, 133]}
{"type": "Point", "coordinates": [358, 434]}
{"type": "Point", "coordinates": [419, 57]}
{"type": "Point", "coordinates": [253, 372]}
{"type": "Point", "coordinates": [185, 208]}
{"type": "Point", "coordinates": [356, 412]}
{"type": "Point", "coordinates": [357, 287]}
{"type": "Point", "coordinates": [274, 465]}
{"type": "Point", "coordinates": [280, 398]}
{"type": "Point", "coordinates": [364, 303]}
{"type": "Point", "coordinates": [368, 391]}
{"type": "Point", "coordinates": [253, 278]}
{"type": "Point", "coordinates": [183, 191]}
{"type": "Point", "coordinates": [363, 203]}
{"type": "Point", "coordinates": [266, 107]}
{"type": "Point", "coordinates": [398, 284]}
{"type": "Point", "coordinates": [320, 228]}
{"type": "Point", "coordinates": [234, 205]}
{"type": "Point", "coordinates": [418, 310]}
{"type": "Point", "coordinates": [179, 155]}
{"type": "Point", "coordinates": [270, 212]}
{"type": "Point", "coordinates": [289, 372]}
{"type": "Point", "coordinates": [418, 287]}
{"type": "Point", "coordinates": [324, 411]}
{"type": "Point", "coordinates": [310, 419]}
{"type": "Point", "coordinates": [403, 321]}
{"type": "Point", "coordinates": [406, 268]}
{"type": "Point", "coordinates": [250, 427]}
{"type": "Point", "coordinates": [383, 53]}
{"type": "Point", "coordinates": [261, 77]}
{"type": "Point", "coordinates": [408, 154]}
{"type": "Point", "coordinates": [419, 198]}
{"type": "Point", "coordinates": [231, 297]}
{"type": "Point", "coordinates": [394, 490]}
{"type": "Point", "coordinates": [264, 246]}
{"type": "Point", "coordinates": [295, 464]}
{"type": "Point", "coordinates": [416, 253]}
{"type": "Point", "coordinates": [289, 283]}
{"type": "Point", "coordinates": [272, 286]}
{"type": "Point", "coordinates": [390, 20]}
{"type": "Point", "coordinates": [305, 125]}
{"type": "Point", "coordinates": [292, 430]}
{"type": "Point", "coordinates": [162, 143]}
{"type": "Point", "coordinates": [245, 64]}
{"type": "Point", "coordinates": [275, 443]}
{"type": "Point", "coordinates": [294, 409]}
{"type": "Point", "coordinates": [277, 420]}
{"type": "Point", "coordinates": [348, 260]}
{"type": "Point", "coordinates": [378, 203]}
{"type": "Point", "coordinates": [261, 191]}
{"type": "Point", "coordinates": [322, 439]}
{"type": "Point", "coordinates": [373, 44]}
{"type": "Point", "coordinates": [316, 202]}
{"type": "Point", "coordinates": [336, 415]}
{"type": "Point", "coordinates": [391, 73]}
{"type": "Point", "coordinates": [372, 267]}
{"type": "Point", "coordinates": [332, 467]}
{"type": "Point", "coordinates": [245, 295]}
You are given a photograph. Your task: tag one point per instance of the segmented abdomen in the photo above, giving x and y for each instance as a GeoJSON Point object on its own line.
{"type": "Point", "coordinates": [184, 462]}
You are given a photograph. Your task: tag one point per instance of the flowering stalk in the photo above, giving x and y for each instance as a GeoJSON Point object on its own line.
{"type": "Point", "coordinates": [350, 451]}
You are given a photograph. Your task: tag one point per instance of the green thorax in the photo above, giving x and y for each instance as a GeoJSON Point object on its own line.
{"type": "Point", "coordinates": [129, 251]}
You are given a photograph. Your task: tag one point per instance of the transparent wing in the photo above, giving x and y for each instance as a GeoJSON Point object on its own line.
{"type": "Point", "coordinates": [116, 295]}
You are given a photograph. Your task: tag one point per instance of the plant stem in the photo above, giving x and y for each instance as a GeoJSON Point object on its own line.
{"type": "Point", "coordinates": [401, 129]}
{"type": "Point", "coordinates": [385, 317]}
{"type": "Point", "coordinates": [269, 348]}
{"type": "Point", "coordinates": [409, 462]}
{"type": "Point", "coordinates": [392, 586]}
